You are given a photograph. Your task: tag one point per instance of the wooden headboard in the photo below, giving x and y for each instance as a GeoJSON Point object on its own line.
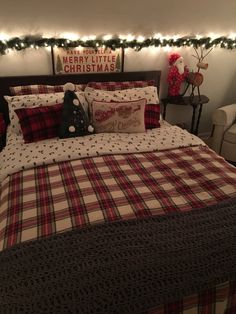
{"type": "Point", "coordinates": [6, 82]}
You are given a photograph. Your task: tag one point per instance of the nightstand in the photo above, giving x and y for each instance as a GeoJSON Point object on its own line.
{"type": "Point", "coordinates": [194, 101]}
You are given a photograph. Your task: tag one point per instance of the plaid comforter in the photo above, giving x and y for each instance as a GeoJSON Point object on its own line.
{"type": "Point", "coordinates": [58, 197]}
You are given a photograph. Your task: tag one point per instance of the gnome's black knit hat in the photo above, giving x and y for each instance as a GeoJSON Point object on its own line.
{"type": "Point", "coordinates": [75, 120]}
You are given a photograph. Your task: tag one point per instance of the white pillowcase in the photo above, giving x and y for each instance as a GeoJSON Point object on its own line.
{"type": "Point", "coordinates": [149, 93]}
{"type": "Point", "coordinates": [30, 101]}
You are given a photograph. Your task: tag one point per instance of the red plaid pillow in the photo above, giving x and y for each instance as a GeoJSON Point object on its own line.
{"type": "Point", "coordinates": [39, 123]}
{"type": "Point", "coordinates": [112, 86]}
{"type": "Point", "coordinates": [35, 89]}
{"type": "Point", "coordinates": [152, 116]}
{"type": "Point", "coordinates": [41, 89]}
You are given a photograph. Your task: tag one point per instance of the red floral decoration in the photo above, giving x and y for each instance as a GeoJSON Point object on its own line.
{"type": "Point", "coordinates": [174, 56]}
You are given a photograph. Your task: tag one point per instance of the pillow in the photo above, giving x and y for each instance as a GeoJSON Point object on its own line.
{"type": "Point", "coordinates": [119, 117]}
{"type": "Point", "coordinates": [27, 101]}
{"type": "Point", "coordinates": [75, 121]}
{"type": "Point", "coordinates": [149, 93]}
{"type": "Point", "coordinates": [39, 123]}
{"type": "Point", "coordinates": [112, 86]}
{"type": "Point", "coordinates": [152, 114]}
{"type": "Point", "coordinates": [41, 89]}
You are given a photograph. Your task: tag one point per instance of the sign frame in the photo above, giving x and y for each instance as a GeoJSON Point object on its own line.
{"type": "Point", "coordinates": [85, 60]}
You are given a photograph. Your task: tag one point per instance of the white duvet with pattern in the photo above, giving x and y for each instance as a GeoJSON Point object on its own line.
{"type": "Point", "coordinates": [17, 156]}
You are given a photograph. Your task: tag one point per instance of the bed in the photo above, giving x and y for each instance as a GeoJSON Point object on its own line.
{"type": "Point", "coordinates": [113, 222]}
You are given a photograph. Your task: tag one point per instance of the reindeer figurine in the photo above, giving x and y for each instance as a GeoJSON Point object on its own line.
{"type": "Point", "coordinates": [195, 79]}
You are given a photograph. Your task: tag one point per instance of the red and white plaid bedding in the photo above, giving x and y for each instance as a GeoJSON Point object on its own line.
{"type": "Point", "coordinates": [112, 86]}
{"type": "Point", "coordinates": [46, 89]}
{"type": "Point", "coordinates": [54, 198]}
{"type": "Point", "coordinates": [41, 89]}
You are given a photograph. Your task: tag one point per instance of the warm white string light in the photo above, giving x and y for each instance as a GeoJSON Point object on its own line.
{"type": "Point", "coordinates": [70, 36]}
{"type": "Point", "coordinates": [129, 37]}
{"type": "Point", "coordinates": [69, 40]}
{"type": "Point", "coordinates": [107, 37]}
{"type": "Point", "coordinates": [140, 39]}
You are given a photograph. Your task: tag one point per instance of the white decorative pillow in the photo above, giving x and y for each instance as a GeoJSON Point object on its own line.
{"type": "Point", "coordinates": [149, 93]}
{"type": "Point", "coordinates": [30, 101]}
{"type": "Point", "coordinates": [119, 117]}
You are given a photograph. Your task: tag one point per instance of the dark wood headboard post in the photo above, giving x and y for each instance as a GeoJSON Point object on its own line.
{"type": "Point", "coordinates": [53, 61]}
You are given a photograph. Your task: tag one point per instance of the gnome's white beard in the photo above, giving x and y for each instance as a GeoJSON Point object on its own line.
{"type": "Point", "coordinates": [180, 65]}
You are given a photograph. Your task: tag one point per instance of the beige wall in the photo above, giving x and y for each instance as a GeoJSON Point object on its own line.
{"type": "Point", "coordinates": [168, 17]}
{"type": "Point", "coordinates": [102, 16]}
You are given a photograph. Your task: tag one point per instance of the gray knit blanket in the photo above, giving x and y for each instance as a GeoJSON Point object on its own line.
{"type": "Point", "coordinates": [121, 267]}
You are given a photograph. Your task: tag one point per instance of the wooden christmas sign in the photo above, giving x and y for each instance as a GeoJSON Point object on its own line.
{"type": "Point", "coordinates": [87, 60]}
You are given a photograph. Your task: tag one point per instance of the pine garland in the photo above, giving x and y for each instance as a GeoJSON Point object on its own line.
{"type": "Point", "coordinates": [22, 43]}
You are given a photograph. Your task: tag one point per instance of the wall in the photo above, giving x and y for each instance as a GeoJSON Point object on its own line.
{"type": "Point", "coordinates": [122, 17]}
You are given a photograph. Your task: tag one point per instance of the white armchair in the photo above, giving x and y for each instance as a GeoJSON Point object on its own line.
{"type": "Point", "coordinates": [223, 139]}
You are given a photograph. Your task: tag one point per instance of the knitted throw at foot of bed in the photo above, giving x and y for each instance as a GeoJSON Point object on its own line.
{"type": "Point", "coordinates": [121, 267]}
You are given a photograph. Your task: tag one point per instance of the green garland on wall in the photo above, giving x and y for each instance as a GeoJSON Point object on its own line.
{"type": "Point", "coordinates": [18, 43]}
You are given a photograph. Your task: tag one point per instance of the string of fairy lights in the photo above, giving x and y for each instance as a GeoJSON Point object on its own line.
{"type": "Point", "coordinates": [114, 42]}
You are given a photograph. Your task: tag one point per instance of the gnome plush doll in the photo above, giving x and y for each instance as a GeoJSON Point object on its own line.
{"type": "Point", "coordinates": [74, 121]}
